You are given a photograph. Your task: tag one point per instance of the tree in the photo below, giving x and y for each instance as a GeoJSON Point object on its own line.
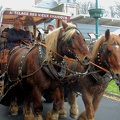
{"type": "Point", "coordinates": [112, 11]}
{"type": "Point", "coordinates": [84, 7]}
{"type": "Point", "coordinates": [117, 9]}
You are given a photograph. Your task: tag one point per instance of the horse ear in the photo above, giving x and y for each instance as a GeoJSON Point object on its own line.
{"type": "Point", "coordinates": [64, 25]}
{"type": "Point", "coordinates": [107, 34]}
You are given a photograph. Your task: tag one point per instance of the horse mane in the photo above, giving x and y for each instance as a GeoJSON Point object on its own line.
{"type": "Point", "coordinates": [112, 39]}
{"type": "Point", "coordinates": [51, 39]}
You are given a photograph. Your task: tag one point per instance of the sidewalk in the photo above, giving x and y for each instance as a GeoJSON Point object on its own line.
{"type": "Point", "coordinates": [112, 96]}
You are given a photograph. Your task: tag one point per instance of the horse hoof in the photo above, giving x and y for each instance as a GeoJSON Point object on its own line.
{"type": "Point", "coordinates": [14, 113]}
{"type": "Point", "coordinates": [83, 116]}
{"type": "Point", "coordinates": [73, 116]}
{"type": "Point", "coordinates": [74, 111]}
{"type": "Point", "coordinates": [38, 117]}
{"type": "Point", "coordinates": [62, 116]}
{"type": "Point", "coordinates": [52, 115]}
{"type": "Point", "coordinates": [28, 114]}
{"type": "Point", "coordinates": [30, 117]}
{"type": "Point", "coordinates": [13, 110]}
{"type": "Point", "coordinates": [63, 113]}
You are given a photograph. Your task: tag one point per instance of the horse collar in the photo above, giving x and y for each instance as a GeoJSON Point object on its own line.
{"type": "Point", "coordinates": [103, 50]}
{"type": "Point", "coordinates": [98, 58]}
{"type": "Point", "coordinates": [100, 79]}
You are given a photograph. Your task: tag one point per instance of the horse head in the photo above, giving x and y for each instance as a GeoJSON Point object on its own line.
{"type": "Point", "coordinates": [69, 42]}
{"type": "Point", "coordinates": [106, 53]}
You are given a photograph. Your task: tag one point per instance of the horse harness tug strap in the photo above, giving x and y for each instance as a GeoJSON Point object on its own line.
{"type": "Point", "coordinates": [61, 75]}
{"type": "Point", "coordinates": [22, 61]}
{"type": "Point", "coordinates": [12, 83]}
{"type": "Point", "coordinates": [19, 76]}
{"type": "Point", "coordinates": [11, 53]}
{"type": "Point", "coordinates": [98, 78]}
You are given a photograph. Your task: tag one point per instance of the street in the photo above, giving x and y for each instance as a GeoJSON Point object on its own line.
{"type": "Point", "coordinates": [108, 110]}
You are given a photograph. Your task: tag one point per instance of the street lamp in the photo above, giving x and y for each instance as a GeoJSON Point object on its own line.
{"type": "Point", "coordinates": [96, 13]}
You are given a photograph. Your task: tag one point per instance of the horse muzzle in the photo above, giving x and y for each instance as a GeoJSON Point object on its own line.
{"type": "Point", "coordinates": [116, 76]}
{"type": "Point", "coordinates": [118, 84]}
{"type": "Point", "coordinates": [86, 60]}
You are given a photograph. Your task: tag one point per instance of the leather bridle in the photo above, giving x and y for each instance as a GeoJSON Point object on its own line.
{"type": "Point", "coordinates": [69, 42]}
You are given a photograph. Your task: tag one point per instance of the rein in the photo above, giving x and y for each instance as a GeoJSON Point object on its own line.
{"type": "Point", "coordinates": [53, 51]}
{"type": "Point", "coordinates": [28, 44]}
{"type": "Point", "coordinates": [72, 59]}
{"type": "Point", "coordinates": [100, 67]}
{"type": "Point", "coordinates": [66, 58]}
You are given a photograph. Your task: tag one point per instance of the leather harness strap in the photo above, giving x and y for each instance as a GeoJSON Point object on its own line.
{"type": "Point", "coordinates": [54, 51]}
{"type": "Point", "coordinates": [22, 61]}
{"type": "Point", "coordinates": [72, 59]}
{"type": "Point", "coordinates": [100, 67]}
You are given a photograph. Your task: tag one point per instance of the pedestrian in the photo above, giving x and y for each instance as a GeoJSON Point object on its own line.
{"type": "Point", "coordinates": [15, 35]}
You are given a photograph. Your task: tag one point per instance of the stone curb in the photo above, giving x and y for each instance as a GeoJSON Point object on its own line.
{"type": "Point", "coordinates": [111, 94]}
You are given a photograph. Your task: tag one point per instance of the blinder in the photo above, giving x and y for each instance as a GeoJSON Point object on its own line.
{"type": "Point", "coordinates": [69, 42]}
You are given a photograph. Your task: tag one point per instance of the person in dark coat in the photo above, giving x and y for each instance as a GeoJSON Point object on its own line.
{"type": "Point", "coordinates": [3, 39]}
{"type": "Point", "coordinates": [15, 35]}
{"type": "Point", "coordinates": [28, 33]}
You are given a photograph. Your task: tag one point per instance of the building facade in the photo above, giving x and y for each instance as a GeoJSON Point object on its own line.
{"type": "Point", "coordinates": [69, 6]}
{"type": "Point", "coordinates": [85, 25]}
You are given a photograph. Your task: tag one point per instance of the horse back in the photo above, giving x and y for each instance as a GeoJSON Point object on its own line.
{"type": "Point", "coordinates": [16, 57]}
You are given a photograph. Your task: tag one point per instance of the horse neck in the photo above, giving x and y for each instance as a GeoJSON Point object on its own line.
{"type": "Point", "coordinates": [60, 50]}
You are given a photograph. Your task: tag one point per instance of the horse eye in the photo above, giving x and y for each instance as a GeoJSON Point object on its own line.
{"type": "Point", "coordinates": [72, 37]}
{"type": "Point", "coordinates": [109, 52]}
{"type": "Point", "coordinates": [84, 40]}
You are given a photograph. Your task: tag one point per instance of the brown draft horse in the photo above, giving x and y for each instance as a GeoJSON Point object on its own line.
{"type": "Point", "coordinates": [3, 61]}
{"type": "Point", "coordinates": [29, 71]}
{"type": "Point", "coordinates": [106, 54]}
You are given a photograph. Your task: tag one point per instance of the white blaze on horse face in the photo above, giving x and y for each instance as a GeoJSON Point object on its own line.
{"type": "Point", "coordinates": [117, 46]}
{"type": "Point", "coordinates": [119, 64]}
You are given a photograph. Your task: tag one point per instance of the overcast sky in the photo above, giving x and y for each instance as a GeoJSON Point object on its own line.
{"type": "Point", "coordinates": [27, 3]}
{"type": "Point", "coordinates": [17, 3]}
{"type": "Point", "coordinates": [104, 3]}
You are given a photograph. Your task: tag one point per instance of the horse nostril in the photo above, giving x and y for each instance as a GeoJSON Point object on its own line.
{"type": "Point", "coordinates": [86, 59]}
{"type": "Point", "coordinates": [117, 75]}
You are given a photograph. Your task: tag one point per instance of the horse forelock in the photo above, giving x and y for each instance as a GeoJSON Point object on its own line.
{"type": "Point", "coordinates": [69, 34]}
{"type": "Point", "coordinates": [112, 39]}
{"type": "Point", "coordinates": [69, 31]}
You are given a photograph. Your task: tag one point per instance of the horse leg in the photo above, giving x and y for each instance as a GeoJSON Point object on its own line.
{"type": "Point", "coordinates": [13, 108]}
{"type": "Point", "coordinates": [73, 105]}
{"type": "Point", "coordinates": [89, 113]}
{"type": "Point", "coordinates": [27, 110]}
{"type": "Point", "coordinates": [63, 111]}
{"type": "Point", "coordinates": [97, 100]}
{"type": "Point", "coordinates": [57, 105]}
{"type": "Point", "coordinates": [37, 103]}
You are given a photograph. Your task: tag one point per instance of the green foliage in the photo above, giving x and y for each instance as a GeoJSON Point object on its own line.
{"type": "Point", "coordinates": [113, 88]}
